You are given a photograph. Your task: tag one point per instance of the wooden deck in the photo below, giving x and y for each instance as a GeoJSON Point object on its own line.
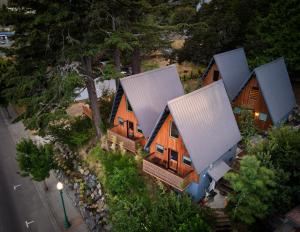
{"type": "Point", "coordinates": [129, 144]}
{"type": "Point", "coordinates": [165, 175]}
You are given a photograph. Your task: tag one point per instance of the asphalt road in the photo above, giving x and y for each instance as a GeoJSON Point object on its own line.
{"type": "Point", "coordinates": [19, 198]}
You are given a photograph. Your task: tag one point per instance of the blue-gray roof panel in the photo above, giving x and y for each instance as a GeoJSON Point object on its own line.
{"type": "Point", "coordinates": [276, 89]}
{"type": "Point", "coordinates": [234, 70]}
{"type": "Point", "coordinates": [205, 121]}
{"type": "Point", "coordinates": [149, 92]}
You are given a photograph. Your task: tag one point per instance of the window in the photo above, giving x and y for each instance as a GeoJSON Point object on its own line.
{"type": "Point", "coordinates": [263, 117]}
{"type": "Point", "coordinates": [254, 92]}
{"type": "Point", "coordinates": [128, 106]}
{"type": "Point", "coordinates": [173, 155]}
{"type": "Point", "coordinates": [216, 76]}
{"type": "Point", "coordinates": [187, 160]}
{"type": "Point", "coordinates": [237, 110]}
{"type": "Point", "coordinates": [139, 129]}
{"type": "Point", "coordinates": [159, 148]}
{"type": "Point", "coordinates": [121, 121]}
{"type": "Point", "coordinates": [173, 130]}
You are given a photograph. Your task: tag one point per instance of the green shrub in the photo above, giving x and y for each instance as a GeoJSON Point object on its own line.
{"type": "Point", "coordinates": [74, 132]}
{"type": "Point", "coordinates": [131, 207]}
{"type": "Point", "coordinates": [281, 152]}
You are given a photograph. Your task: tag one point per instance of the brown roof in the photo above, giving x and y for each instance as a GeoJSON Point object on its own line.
{"type": "Point", "coordinates": [294, 216]}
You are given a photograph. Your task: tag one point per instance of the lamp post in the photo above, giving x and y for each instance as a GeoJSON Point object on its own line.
{"type": "Point", "coordinates": [60, 186]}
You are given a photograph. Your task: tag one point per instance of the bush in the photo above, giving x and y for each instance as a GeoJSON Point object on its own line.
{"type": "Point", "coordinates": [74, 132]}
{"type": "Point", "coordinates": [246, 124]}
{"type": "Point", "coordinates": [281, 152]}
{"type": "Point", "coordinates": [131, 207]}
{"type": "Point", "coordinates": [35, 161]}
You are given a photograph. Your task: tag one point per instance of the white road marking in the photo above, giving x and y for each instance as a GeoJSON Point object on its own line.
{"type": "Point", "coordinates": [17, 186]}
{"type": "Point", "coordinates": [28, 223]}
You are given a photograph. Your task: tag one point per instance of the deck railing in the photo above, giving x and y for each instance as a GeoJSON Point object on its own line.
{"type": "Point", "coordinates": [128, 144]}
{"type": "Point", "coordinates": [166, 175]}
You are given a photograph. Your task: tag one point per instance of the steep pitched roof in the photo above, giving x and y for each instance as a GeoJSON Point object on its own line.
{"type": "Point", "coordinates": [233, 68]}
{"type": "Point", "coordinates": [148, 94]}
{"type": "Point", "coordinates": [206, 123]}
{"type": "Point", "coordinates": [276, 88]}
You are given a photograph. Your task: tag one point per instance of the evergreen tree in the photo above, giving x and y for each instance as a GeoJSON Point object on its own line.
{"type": "Point", "coordinates": [253, 189]}
{"type": "Point", "coordinates": [35, 161]}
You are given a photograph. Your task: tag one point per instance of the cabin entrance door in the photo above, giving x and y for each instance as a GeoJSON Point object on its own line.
{"type": "Point", "coordinates": [130, 130]}
{"type": "Point", "coordinates": [173, 160]}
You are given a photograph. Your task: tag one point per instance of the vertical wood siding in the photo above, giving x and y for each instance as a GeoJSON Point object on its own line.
{"type": "Point", "coordinates": [126, 115]}
{"type": "Point", "coordinates": [209, 77]}
{"type": "Point", "coordinates": [163, 138]}
{"type": "Point", "coordinates": [245, 100]}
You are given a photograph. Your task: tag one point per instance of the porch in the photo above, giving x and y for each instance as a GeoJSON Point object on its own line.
{"type": "Point", "coordinates": [128, 143]}
{"type": "Point", "coordinates": [158, 168]}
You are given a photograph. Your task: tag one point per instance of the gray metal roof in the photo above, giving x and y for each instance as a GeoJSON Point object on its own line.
{"type": "Point", "coordinates": [276, 88]}
{"type": "Point", "coordinates": [149, 92]}
{"type": "Point", "coordinates": [218, 170]}
{"type": "Point", "coordinates": [233, 68]}
{"type": "Point", "coordinates": [205, 121]}
{"type": "Point", "coordinates": [100, 86]}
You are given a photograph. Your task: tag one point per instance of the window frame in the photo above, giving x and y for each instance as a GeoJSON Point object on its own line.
{"type": "Point", "coordinates": [216, 75]}
{"type": "Point", "coordinates": [170, 130]}
{"type": "Point", "coordinates": [171, 150]}
{"type": "Point", "coordinates": [138, 129]}
{"type": "Point", "coordinates": [161, 147]}
{"type": "Point", "coordinates": [128, 105]}
{"type": "Point", "coordinates": [237, 110]}
{"type": "Point", "coordinates": [121, 123]}
{"type": "Point", "coordinates": [264, 114]}
{"type": "Point", "coordinates": [187, 158]}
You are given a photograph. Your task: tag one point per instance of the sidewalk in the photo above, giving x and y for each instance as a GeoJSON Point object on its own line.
{"type": "Point", "coordinates": [51, 198]}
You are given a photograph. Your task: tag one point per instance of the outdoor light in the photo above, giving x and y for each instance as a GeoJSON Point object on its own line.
{"type": "Point", "coordinates": [256, 114]}
{"type": "Point", "coordinates": [60, 186]}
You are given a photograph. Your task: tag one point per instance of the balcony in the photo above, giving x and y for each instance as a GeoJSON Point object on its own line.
{"type": "Point", "coordinates": [129, 144]}
{"type": "Point", "coordinates": [158, 168]}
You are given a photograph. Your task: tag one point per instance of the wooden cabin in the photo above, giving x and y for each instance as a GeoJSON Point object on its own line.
{"type": "Point", "coordinates": [193, 141]}
{"type": "Point", "coordinates": [138, 102]}
{"type": "Point", "coordinates": [268, 94]}
{"type": "Point", "coordinates": [231, 67]}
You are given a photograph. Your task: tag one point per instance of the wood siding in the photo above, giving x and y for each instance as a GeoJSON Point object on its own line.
{"type": "Point", "coordinates": [250, 98]}
{"type": "Point", "coordinates": [126, 115]}
{"type": "Point", "coordinates": [164, 139]}
{"type": "Point", "coordinates": [210, 75]}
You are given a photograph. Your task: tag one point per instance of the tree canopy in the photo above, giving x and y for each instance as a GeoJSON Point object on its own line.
{"type": "Point", "coordinates": [266, 29]}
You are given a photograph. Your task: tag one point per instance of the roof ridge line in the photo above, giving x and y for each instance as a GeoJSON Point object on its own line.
{"type": "Point", "coordinates": [150, 71]}
{"type": "Point", "coordinates": [271, 62]}
{"type": "Point", "coordinates": [228, 52]}
{"type": "Point", "coordinates": [194, 92]}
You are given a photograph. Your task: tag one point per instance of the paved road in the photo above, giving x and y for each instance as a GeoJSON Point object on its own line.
{"type": "Point", "coordinates": [24, 203]}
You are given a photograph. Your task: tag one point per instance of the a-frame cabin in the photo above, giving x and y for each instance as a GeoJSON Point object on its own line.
{"type": "Point", "coordinates": [268, 94]}
{"type": "Point", "coordinates": [231, 67]}
{"type": "Point", "coordinates": [193, 141]}
{"type": "Point", "coordinates": [138, 102]}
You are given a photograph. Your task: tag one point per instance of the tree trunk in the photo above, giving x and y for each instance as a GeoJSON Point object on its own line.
{"type": "Point", "coordinates": [90, 85]}
{"type": "Point", "coordinates": [45, 186]}
{"type": "Point", "coordinates": [117, 59]}
{"type": "Point", "coordinates": [136, 61]}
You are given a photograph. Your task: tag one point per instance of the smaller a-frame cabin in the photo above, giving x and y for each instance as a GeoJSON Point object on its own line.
{"type": "Point", "coordinates": [231, 67]}
{"type": "Point", "coordinates": [193, 141]}
{"type": "Point", "coordinates": [268, 94]}
{"type": "Point", "coordinates": [138, 103]}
